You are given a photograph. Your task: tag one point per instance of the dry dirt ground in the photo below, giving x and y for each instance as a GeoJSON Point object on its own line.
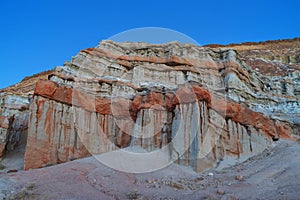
{"type": "Point", "coordinates": [274, 174]}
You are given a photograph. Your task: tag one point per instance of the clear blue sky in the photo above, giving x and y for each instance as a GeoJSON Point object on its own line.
{"type": "Point", "coordinates": [39, 35]}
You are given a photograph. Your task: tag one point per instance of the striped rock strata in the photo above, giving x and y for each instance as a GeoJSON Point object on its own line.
{"type": "Point", "coordinates": [14, 112]}
{"type": "Point", "coordinates": [203, 104]}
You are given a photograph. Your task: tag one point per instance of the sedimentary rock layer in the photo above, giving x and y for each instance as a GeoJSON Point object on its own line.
{"type": "Point", "coordinates": [13, 121]}
{"type": "Point", "coordinates": [204, 105]}
{"type": "Point", "coordinates": [14, 112]}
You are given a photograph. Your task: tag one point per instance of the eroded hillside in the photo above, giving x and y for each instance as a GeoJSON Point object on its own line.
{"type": "Point", "coordinates": [193, 105]}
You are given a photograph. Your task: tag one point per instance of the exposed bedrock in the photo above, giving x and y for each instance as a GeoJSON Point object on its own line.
{"type": "Point", "coordinates": [199, 128]}
{"type": "Point", "coordinates": [200, 105]}
{"type": "Point", "coordinates": [13, 121]}
{"type": "Point", "coordinates": [14, 113]}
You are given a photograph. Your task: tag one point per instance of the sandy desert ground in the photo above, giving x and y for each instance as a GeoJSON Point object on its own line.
{"type": "Point", "coordinates": [274, 174]}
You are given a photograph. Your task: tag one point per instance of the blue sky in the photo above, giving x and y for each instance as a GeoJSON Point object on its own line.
{"type": "Point", "coordinates": [39, 35]}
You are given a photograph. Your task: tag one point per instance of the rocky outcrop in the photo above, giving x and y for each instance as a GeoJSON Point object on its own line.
{"type": "Point", "coordinates": [276, 67]}
{"type": "Point", "coordinates": [13, 121]}
{"type": "Point", "coordinates": [14, 112]}
{"type": "Point", "coordinates": [203, 105]}
{"type": "Point", "coordinates": [271, 58]}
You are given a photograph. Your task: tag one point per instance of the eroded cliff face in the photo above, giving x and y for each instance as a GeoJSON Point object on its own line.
{"type": "Point", "coordinates": [276, 64]}
{"type": "Point", "coordinates": [14, 112]}
{"type": "Point", "coordinates": [13, 121]}
{"type": "Point", "coordinates": [203, 105]}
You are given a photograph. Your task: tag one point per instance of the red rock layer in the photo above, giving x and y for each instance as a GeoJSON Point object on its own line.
{"type": "Point", "coordinates": [52, 129]}
{"type": "Point", "coordinates": [185, 94]}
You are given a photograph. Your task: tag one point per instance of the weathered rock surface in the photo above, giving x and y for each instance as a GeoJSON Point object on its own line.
{"type": "Point", "coordinates": [14, 112]}
{"type": "Point", "coordinates": [274, 57]}
{"type": "Point", "coordinates": [276, 66]}
{"type": "Point", "coordinates": [13, 121]}
{"type": "Point", "coordinates": [202, 104]}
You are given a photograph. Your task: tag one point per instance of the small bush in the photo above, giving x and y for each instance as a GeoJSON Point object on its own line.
{"type": "Point", "coordinates": [133, 195]}
{"type": "Point", "coordinates": [2, 167]}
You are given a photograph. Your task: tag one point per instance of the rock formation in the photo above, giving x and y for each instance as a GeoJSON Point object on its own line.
{"type": "Point", "coordinates": [278, 64]}
{"type": "Point", "coordinates": [202, 105]}
{"type": "Point", "coordinates": [14, 112]}
{"type": "Point", "coordinates": [13, 121]}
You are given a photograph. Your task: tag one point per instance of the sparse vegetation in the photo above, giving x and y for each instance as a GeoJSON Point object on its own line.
{"type": "Point", "coordinates": [47, 165]}
{"type": "Point", "coordinates": [31, 186]}
{"type": "Point", "coordinates": [175, 185]}
{"type": "Point", "coordinates": [25, 193]}
{"type": "Point", "coordinates": [2, 167]}
{"type": "Point", "coordinates": [133, 195]}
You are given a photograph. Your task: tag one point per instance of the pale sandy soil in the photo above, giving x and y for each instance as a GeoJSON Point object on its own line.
{"type": "Point", "coordinates": [274, 174]}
